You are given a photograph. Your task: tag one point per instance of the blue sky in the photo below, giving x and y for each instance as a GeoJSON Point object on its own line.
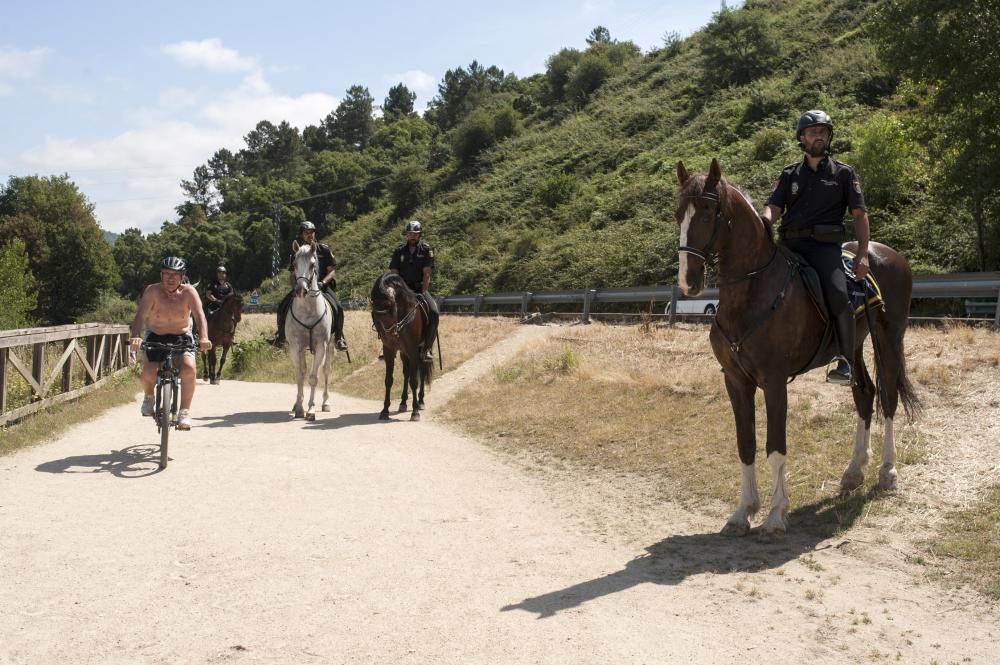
{"type": "Point", "coordinates": [129, 97]}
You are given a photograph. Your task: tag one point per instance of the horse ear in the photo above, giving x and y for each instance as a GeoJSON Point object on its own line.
{"type": "Point", "coordinates": [682, 174]}
{"type": "Point", "coordinates": [295, 245]}
{"type": "Point", "coordinates": [714, 174]}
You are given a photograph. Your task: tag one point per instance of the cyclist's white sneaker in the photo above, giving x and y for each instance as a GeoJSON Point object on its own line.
{"type": "Point", "coordinates": [183, 419]}
{"type": "Point", "coordinates": [147, 406]}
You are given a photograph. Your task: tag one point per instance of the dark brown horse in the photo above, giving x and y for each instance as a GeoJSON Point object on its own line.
{"type": "Point", "coordinates": [221, 330]}
{"type": "Point", "coordinates": [768, 330]}
{"type": "Point", "coordinates": [400, 318]}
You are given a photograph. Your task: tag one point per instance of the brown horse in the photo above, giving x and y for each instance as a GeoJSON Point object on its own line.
{"type": "Point", "coordinates": [400, 318]}
{"type": "Point", "coordinates": [768, 330]}
{"type": "Point", "coordinates": [221, 330]}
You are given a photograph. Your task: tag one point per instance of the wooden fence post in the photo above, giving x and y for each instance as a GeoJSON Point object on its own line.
{"type": "Point", "coordinates": [67, 370]}
{"type": "Point", "coordinates": [3, 380]}
{"type": "Point", "coordinates": [37, 364]}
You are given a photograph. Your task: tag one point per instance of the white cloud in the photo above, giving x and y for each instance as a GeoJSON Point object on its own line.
{"type": "Point", "coordinates": [16, 64]}
{"type": "Point", "coordinates": [134, 178]}
{"type": "Point", "coordinates": [417, 81]}
{"type": "Point", "coordinates": [209, 54]}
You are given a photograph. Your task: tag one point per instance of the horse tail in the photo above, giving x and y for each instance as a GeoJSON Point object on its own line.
{"type": "Point", "coordinates": [427, 371]}
{"type": "Point", "coordinates": [905, 391]}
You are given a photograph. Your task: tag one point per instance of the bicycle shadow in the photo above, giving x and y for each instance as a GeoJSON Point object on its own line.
{"type": "Point", "coordinates": [136, 461]}
{"type": "Point", "coordinates": [673, 559]}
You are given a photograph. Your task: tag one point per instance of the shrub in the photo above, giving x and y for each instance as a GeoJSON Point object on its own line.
{"type": "Point", "coordinates": [768, 144]}
{"type": "Point", "coordinates": [250, 352]}
{"type": "Point", "coordinates": [557, 189]}
{"type": "Point", "coordinates": [111, 308]}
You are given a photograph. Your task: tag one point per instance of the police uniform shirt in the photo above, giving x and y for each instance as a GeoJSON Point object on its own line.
{"type": "Point", "coordinates": [220, 290]}
{"type": "Point", "coordinates": [325, 260]}
{"type": "Point", "coordinates": [411, 266]}
{"type": "Point", "coordinates": [810, 197]}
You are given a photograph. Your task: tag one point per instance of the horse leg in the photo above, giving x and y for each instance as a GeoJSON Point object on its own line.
{"type": "Point", "coordinates": [414, 371]}
{"type": "Point", "coordinates": [319, 357]}
{"type": "Point", "coordinates": [204, 366]}
{"type": "Point", "coordinates": [741, 396]}
{"type": "Point", "coordinates": [390, 361]}
{"type": "Point", "coordinates": [892, 376]}
{"type": "Point", "coordinates": [222, 363]}
{"type": "Point", "coordinates": [864, 399]}
{"type": "Point", "coordinates": [405, 361]}
{"type": "Point", "coordinates": [776, 400]}
{"type": "Point", "coordinates": [299, 357]}
{"type": "Point", "coordinates": [212, 358]}
{"type": "Point", "coordinates": [326, 378]}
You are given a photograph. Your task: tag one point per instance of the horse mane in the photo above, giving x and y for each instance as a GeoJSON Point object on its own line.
{"type": "Point", "coordinates": [728, 192]}
{"type": "Point", "coordinates": [388, 287]}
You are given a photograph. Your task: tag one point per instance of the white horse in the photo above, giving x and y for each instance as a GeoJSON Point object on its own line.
{"type": "Point", "coordinates": [307, 326]}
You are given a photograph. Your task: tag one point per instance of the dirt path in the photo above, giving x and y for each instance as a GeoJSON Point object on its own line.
{"type": "Point", "coordinates": [350, 540]}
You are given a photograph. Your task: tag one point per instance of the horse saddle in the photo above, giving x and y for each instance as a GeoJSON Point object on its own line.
{"type": "Point", "coordinates": [866, 293]}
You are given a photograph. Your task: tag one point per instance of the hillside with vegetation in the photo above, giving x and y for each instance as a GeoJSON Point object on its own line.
{"type": "Point", "coordinates": [565, 178]}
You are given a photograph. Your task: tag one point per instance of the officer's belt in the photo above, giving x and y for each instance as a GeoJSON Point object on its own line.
{"type": "Point", "coordinates": [824, 232]}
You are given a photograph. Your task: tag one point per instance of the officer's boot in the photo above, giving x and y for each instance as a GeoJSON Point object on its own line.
{"type": "Point", "coordinates": [338, 327]}
{"type": "Point", "coordinates": [430, 336]}
{"type": "Point", "coordinates": [844, 327]}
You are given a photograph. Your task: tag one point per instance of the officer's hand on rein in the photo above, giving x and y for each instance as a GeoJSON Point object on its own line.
{"type": "Point", "coordinates": [860, 267]}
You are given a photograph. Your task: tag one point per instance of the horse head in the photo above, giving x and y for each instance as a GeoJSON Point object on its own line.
{"type": "Point", "coordinates": [306, 269]}
{"type": "Point", "coordinates": [699, 215]}
{"type": "Point", "coordinates": [235, 304]}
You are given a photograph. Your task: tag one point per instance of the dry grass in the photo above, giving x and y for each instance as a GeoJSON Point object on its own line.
{"type": "Point", "coordinates": [461, 338]}
{"type": "Point", "coordinates": [651, 400]}
{"type": "Point", "coordinates": [971, 538]}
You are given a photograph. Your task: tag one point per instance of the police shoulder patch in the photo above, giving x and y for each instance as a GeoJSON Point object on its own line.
{"type": "Point", "coordinates": [857, 186]}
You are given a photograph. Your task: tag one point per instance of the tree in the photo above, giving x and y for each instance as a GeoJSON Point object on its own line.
{"type": "Point", "coordinates": [17, 286]}
{"type": "Point", "coordinates": [462, 91]}
{"type": "Point", "coordinates": [558, 69]}
{"type": "Point", "coordinates": [738, 47]}
{"type": "Point", "coordinates": [353, 122]}
{"type": "Point", "coordinates": [951, 45]}
{"type": "Point", "coordinates": [135, 261]}
{"type": "Point", "coordinates": [273, 151]}
{"type": "Point", "coordinates": [398, 103]}
{"type": "Point", "coordinates": [66, 249]}
{"type": "Point", "coordinates": [599, 35]}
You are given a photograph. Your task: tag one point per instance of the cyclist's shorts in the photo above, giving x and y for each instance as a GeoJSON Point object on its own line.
{"type": "Point", "coordinates": [159, 355]}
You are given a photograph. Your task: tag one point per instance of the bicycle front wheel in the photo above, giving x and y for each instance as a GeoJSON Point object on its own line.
{"type": "Point", "coordinates": [166, 399]}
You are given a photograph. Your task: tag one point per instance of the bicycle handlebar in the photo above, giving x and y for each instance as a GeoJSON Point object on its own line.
{"type": "Point", "coordinates": [160, 346]}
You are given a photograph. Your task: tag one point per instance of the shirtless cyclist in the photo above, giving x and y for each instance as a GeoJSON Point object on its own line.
{"type": "Point", "coordinates": [166, 309]}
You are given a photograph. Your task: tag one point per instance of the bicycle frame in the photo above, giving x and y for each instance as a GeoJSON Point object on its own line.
{"type": "Point", "coordinates": [166, 394]}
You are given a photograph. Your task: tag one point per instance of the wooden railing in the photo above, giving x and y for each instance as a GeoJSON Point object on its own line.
{"type": "Point", "coordinates": [100, 348]}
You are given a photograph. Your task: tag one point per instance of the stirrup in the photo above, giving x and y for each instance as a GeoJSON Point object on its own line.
{"type": "Point", "coordinates": [341, 344]}
{"type": "Point", "coordinates": [840, 375]}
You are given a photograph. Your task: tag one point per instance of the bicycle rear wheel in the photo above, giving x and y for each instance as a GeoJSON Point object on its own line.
{"type": "Point", "coordinates": [166, 400]}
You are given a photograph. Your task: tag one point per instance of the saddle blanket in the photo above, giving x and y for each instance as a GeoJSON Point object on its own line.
{"type": "Point", "coordinates": [860, 292]}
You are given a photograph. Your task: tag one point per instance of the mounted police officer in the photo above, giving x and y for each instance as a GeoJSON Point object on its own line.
{"type": "Point", "coordinates": [811, 197]}
{"type": "Point", "coordinates": [217, 291]}
{"type": "Point", "coordinates": [414, 262]}
{"type": "Point", "coordinates": [327, 283]}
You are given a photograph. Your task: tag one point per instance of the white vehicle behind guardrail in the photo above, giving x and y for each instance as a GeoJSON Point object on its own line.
{"type": "Point", "coordinates": [694, 306]}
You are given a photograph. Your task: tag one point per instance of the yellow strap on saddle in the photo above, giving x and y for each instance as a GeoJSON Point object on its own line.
{"type": "Point", "coordinates": [873, 289]}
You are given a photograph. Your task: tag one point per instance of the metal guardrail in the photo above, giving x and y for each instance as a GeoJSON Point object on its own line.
{"type": "Point", "coordinates": [957, 285]}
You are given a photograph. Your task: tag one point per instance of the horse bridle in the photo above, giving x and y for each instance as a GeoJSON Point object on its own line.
{"type": "Point", "coordinates": [399, 325]}
{"type": "Point", "coordinates": [709, 254]}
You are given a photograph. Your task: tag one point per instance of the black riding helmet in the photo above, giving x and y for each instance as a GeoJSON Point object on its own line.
{"type": "Point", "coordinates": [815, 118]}
{"type": "Point", "coordinates": [307, 226]}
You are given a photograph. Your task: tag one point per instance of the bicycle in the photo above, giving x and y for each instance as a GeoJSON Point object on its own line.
{"type": "Point", "coordinates": [166, 394]}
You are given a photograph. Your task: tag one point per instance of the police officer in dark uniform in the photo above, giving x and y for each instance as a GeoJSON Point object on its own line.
{"type": "Point", "coordinates": [414, 262]}
{"type": "Point", "coordinates": [811, 198]}
{"type": "Point", "coordinates": [327, 283]}
{"type": "Point", "coordinates": [217, 291]}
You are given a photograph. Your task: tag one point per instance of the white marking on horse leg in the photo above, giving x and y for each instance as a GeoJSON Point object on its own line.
{"type": "Point", "coordinates": [683, 258]}
{"type": "Point", "coordinates": [887, 474]}
{"type": "Point", "coordinates": [776, 523]}
{"type": "Point", "coordinates": [854, 474]}
{"type": "Point", "coordinates": [739, 522]}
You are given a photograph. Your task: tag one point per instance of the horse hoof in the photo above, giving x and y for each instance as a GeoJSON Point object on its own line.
{"type": "Point", "coordinates": [415, 416]}
{"type": "Point", "coordinates": [887, 479]}
{"type": "Point", "coordinates": [215, 382]}
{"type": "Point", "coordinates": [384, 415]}
{"type": "Point", "coordinates": [851, 481]}
{"type": "Point", "coordinates": [310, 416]}
{"type": "Point", "coordinates": [736, 529]}
{"type": "Point", "coordinates": [771, 535]}
{"type": "Point", "coordinates": [326, 407]}
{"type": "Point", "coordinates": [403, 408]}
